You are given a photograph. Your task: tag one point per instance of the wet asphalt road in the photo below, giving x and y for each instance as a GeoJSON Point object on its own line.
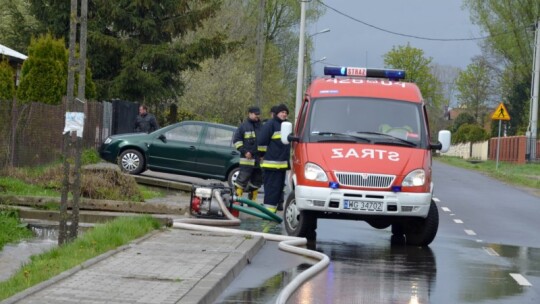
{"type": "Point", "coordinates": [487, 251]}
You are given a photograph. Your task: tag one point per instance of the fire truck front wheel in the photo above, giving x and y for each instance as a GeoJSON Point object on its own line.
{"type": "Point", "coordinates": [421, 232]}
{"type": "Point", "coordinates": [299, 223]}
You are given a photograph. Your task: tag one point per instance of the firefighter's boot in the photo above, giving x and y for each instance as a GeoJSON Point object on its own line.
{"type": "Point", "coordinates": [239, 192]}
{"type": "Point", "coordinates": [271, 208]}
{"type": "Point", "coordinates": [252, 196]}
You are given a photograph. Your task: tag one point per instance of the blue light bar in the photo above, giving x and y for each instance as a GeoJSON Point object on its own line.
{"type": "Point", "coordinates": [364, 72]}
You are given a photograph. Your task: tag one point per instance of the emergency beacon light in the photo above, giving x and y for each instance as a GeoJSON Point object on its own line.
{"type": "Point", "coordinates": [364, 72]}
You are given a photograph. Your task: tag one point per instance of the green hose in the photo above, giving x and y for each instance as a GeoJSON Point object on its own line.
{"type": "Point", "coordinates": [266, 214]}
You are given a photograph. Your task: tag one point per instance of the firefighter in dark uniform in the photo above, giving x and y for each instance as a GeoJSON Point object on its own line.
{"type": "Point", "coordinates": [245, 140]}
{"type": "Point", "coordinates": [274, 158]}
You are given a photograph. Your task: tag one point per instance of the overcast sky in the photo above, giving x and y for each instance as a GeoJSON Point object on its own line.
{"type": "Point", "coordinates": [352, 43]}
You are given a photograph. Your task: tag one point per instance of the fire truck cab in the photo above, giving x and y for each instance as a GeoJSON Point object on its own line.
{"type": "Point", "coordinates": [362, 151]}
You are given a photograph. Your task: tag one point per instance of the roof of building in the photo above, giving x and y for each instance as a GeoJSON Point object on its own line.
{"type": "Point", "coordinates": [4, 50]}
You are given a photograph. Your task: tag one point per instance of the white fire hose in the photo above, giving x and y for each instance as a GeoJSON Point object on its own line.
{"type": "Point", "coordinates": [287, 243]}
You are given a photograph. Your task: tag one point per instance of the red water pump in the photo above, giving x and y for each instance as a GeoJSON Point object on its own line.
{"type": "Point", "coordinates": [204, 204]}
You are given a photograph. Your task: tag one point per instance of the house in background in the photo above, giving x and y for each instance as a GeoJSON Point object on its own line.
{"type": "Point", "coordinates": [15, 59]}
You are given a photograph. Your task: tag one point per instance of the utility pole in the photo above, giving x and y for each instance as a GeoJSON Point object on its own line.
{"type": "Point", "coordinates": [533, 121]}
{"type": "Point", "coordinates": [261, 44]}
{"type": "Point", "coordinates": [74, 106]}
{"type": "Point", "coordinates": [79, 105]}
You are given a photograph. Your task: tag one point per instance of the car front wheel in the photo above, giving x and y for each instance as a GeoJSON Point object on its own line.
{"type": "Point", "coordinates": [131, 161]}
{"type": "Point", "coordinates": [421, 232]}
{"type": "Point", "coordinates": [299, 223]}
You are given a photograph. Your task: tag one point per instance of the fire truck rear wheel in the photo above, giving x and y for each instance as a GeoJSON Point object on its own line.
{"type": "Point", "coordinates": [421, 232]}
{"type": "Point", "coordinates": [299, 223]}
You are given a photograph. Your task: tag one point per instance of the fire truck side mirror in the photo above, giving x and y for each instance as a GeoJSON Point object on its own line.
{"type": "Point", "coordinates": [286, 130]}
{"type": "Point", "coordinates": [444, 141]}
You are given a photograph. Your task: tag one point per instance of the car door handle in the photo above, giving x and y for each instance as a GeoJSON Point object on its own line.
{"type": "Point", "coordinates": [192, 148]}
{"type": "Point", "coordinates": [235, 153]}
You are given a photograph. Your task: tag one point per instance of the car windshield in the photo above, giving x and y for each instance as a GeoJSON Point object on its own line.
{"type": "Point", "coordinates": [379, 121]}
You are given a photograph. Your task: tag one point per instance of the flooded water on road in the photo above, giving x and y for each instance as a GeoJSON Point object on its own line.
{"type": "Point", "coordinates": [371, 267]}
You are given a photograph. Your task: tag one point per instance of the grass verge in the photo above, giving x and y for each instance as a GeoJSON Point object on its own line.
{"type": "Point", "coordinates": [92, 243]}
{"type": "Point", "coordinates": [525, 175]}
{"type": "Point", "coordinates": [14, 186]}
{"type": "Point", "coordinates": [11, 228]}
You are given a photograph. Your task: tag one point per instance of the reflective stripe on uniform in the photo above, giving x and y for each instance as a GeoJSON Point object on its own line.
{"type": "Point", "coordinates": [249, 134]}
{"type": "Point", "coordinates": [262, 148]}
{"type": "Point", "coordinates": [271, 164]}
{"type": "Point", "coordinates": [238, 144]}
{"type": "Point", "coordinates": [276, 135]}
{"type": "Point", "coordinates": [247, 162]}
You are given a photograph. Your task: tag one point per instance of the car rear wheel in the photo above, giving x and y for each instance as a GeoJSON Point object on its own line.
{"type": "Point", "coordinates": [233, 175]}
{"type": "Point", "coordinates": [299, 223]}
{"type": "Point", "coordinates": [131, 161]}
{"type": "Point", "coordinates": [421, 232]}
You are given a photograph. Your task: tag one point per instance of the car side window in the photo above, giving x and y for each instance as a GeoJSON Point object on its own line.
{"type": "Point", "coordinates": [218, 137]}
{"type": "Point", "coordinates": [186, 133]}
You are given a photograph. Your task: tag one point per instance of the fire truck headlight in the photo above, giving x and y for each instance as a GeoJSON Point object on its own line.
{"type": "Point", "coordinates": [415, 178]}
{"type": "Point", "coordinates": [314, 172]}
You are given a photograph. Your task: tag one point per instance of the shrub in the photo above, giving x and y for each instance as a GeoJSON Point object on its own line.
{"type": "Point", "coordinates": [461, 119]}
{"type": "Point", "coordinates": [469, 133]}
{"type": "Point", "coordinates": [90, 156]}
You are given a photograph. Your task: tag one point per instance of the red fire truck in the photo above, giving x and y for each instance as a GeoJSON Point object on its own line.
{"type": "Point", "coordinates": [362, 151]}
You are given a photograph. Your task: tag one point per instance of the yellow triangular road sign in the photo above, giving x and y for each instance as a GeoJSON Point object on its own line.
{"type": "Point", "coordinates": [500, 113]}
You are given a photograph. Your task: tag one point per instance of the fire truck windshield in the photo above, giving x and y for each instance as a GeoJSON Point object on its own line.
{"type": "Point", "coordinates": [368, 117]}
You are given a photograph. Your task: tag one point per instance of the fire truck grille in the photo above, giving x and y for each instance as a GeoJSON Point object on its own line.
{"type": "Point", "coordinates": [365, 180]}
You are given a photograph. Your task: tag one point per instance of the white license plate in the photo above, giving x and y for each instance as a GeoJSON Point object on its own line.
{"type": "Point", "coordinates": [363, 206]}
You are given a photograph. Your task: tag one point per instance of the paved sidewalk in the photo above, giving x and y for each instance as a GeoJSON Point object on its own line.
{"type": "Point", "coordinates": [169, 266]}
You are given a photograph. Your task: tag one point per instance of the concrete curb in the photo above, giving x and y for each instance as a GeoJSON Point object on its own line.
{"type": "Point", "coordinates": [215, 283]}
{"type": "Point", "coordinates": [89, 216]}
{"type": "Point", "coordinates": [97, 205]}
{"type": "Point", "coordinates": [32, 290]}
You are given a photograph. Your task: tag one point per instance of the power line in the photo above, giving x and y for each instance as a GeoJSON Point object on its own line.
{"type": "Point", "coordinates": [413, 36]}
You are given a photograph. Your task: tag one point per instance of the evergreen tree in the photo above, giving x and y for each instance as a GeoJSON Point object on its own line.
{"type": "Point", "coordinates": [17, 25]}
{"type": "Point", "coordinates": [136, 49]}
{"type": "Point", "coordinates": [7, 86]}
{"type": "Point", "coordinates": [44, 73]}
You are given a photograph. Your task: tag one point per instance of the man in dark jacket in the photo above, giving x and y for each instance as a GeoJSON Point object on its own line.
{"type": "Point", "coordinates": [145, 122]}
{"type": "Point", "coordinates": [245, 140]}
{"type": "Point", "coordinates": [276, 158]}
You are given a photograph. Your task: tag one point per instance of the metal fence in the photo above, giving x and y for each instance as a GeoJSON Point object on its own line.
{"type": "Point", "coordinates": [31, 134]}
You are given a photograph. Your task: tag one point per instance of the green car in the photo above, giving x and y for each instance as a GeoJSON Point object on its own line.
{"type": "Point", "coordinates": [192, 148]}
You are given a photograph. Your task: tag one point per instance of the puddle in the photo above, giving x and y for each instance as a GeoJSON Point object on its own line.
{"type": "Point", "coordinates": [258, 225]}
{"type": "Point", "coordinates": [13, 256]}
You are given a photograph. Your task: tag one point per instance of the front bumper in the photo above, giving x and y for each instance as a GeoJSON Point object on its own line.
{"type": "Point", "coordinates": [107, 154]}
{"type": "Point", "coordinates": [394, 204]}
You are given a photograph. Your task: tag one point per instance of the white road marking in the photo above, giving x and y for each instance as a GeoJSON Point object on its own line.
{"type": "Point", "coordinates": [490, 251]}
{"type": "Point", "coordinates": [445, 209]}
{"type": "Point", "coordinates": [458, 221]}
{"type": "Point", "coordinates": [436, 200]}
{"type": "Point", "coordinates": [452, 214]}
{"type": "Point", "coordinates": [479, 241]}
{"type": "Point", "coordinates": [520, 279]}
{"type": "Point", "coordinates": [470, 232]}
